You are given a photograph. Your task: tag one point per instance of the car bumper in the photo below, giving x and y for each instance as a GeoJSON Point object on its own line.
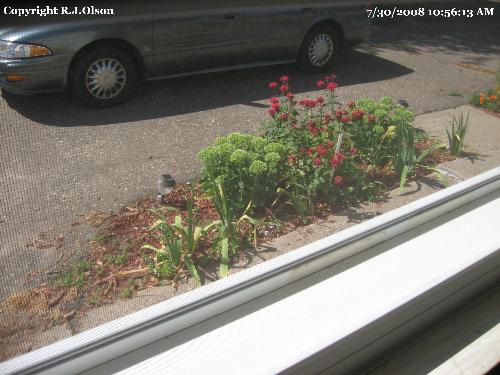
{"type": "Point", "coordinates": [39, 75]}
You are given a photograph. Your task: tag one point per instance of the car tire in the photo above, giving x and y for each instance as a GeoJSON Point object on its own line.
{"type": "Point", "coordinates": [103, 77]}
{"type": "Point", "coordinates": [320, 47]}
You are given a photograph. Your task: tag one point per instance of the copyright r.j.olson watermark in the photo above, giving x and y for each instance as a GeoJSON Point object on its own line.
{"type": "Point", "coordinates": [43, 11]}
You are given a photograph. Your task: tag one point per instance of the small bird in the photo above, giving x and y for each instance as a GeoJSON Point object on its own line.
{"type": "Point", "coordinates": [403, 103]}
{"type": "Point", "coordinates": [164, 186]}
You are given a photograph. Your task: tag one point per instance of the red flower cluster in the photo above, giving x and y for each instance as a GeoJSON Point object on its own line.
{"type": "Point", "coordinates": [275, 103]}
{"type": "Point", "coordinates": [317, 162]}
{"type": "Point", "coordinates": [371, 118]}
{"type": "Point", "coordinates": [331, 78]}
{"type": "Point", "coordinates": [311, 125]}
{"type": "Point", "coordinates": [292, 158]}
{"type": "Point", "coordinates": [332, 86]}
{"type": "Point", "coordinates": [308, 103]}
{"type": "Point", "coordinates": [357, 114]}
{"type": "Point", "coordinates": [342, 115]}
{"type": "Point", "coordinates": [284, 88]}
{"type": "Point", "coordinates": [290, 95]}
{"type": "Point", "coordinates": [351, 105]}
{"type": "Point", "coordinates": [327, 118]}
{"type": "Point", "coordinates": [320, 84]}
{"type": "Point", "coordinates": [321, 150]}
{"type": "Point", "coordinates": [284, 116]}
{"type": "Point", "coordinates": [337, 180]}
{"type": "Point", "coordinates": [337, 159]}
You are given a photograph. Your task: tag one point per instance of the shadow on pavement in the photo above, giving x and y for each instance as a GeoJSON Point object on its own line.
{"type": "Point", "coordinates": [479, 35]}
{"type": "Point", "coordinates": [158, 99]}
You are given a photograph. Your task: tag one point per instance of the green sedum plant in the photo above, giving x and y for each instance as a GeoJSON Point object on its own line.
{"type": "Point", "coordinates": [374, 136]}
{"type": "Point", "coordinates": [247, 167]}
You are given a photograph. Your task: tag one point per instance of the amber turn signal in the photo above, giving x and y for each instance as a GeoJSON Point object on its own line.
{"type": "Point", "coordinates": [16, 77]}
{"type": "Point", "coordinates": [39, 51]}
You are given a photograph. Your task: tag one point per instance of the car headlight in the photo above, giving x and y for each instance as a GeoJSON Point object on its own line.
{"type": "Point", "coordinates": [11, 50]}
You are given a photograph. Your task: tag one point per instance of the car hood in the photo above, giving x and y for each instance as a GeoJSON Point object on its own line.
{"type": "Point", "coordinates": [9, 33]}
{"type": "Point", "coordinates": [25, 34]}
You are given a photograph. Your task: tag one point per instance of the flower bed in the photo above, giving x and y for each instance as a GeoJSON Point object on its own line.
{"type": "Point", "coordinates": [315, 156]}
{"type": "Point", "coordinates": [489, 101]}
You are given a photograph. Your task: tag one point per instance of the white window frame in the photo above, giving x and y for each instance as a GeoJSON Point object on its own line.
{"type": "Point", "coordinates": [172, 317]}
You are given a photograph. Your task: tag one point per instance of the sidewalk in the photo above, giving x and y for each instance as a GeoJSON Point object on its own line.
{"type": "Point", "coordinates": [482, 140]}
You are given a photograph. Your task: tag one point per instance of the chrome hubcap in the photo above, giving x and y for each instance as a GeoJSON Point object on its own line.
{"type": "Point", "coordinates": [105, 78]}
{"type": "Point", "coordinates": [321, 49]}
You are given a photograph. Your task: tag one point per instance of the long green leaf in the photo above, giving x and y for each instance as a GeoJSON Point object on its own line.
{"type": "Point", "coordinates": [190, 234]}
{"type": "Point", "coordinates": [426, 152]}
{"type": "Point", "coordinates": [249, 207]}
{"type": "Point", "coordinates": [441, 177]}
{"type": "Point", "coordinates": [450, 141]}
{"type": "Point", "coordinates": [211, 225]}
{"type": "Point", "coordinates": [175, 250]}
{"type": "Point", "coordinates": [152, 248]}
{"type": "Point", "coordinates": [178, 221]}
{"type": "Point", "coordinates": [404, 177]}
{"type": "Point", "coordinates": [196, 238]}
{"type": "Point", "coordinates": [280, 192]}
{"type": "Point", "coordinates": [192, 269]}
{"type": "Point", "coordinates": [247, 218]}
{"type": "Point", "coordinates": [224, 258]}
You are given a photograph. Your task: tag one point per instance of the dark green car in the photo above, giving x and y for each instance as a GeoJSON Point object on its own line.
{"type": "Point", "coordinates": [101, 57]}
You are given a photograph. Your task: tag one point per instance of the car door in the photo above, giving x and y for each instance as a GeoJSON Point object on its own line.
{"type": "Point", "coordinates": [197, 40]}
{"type": "Point", "coordinates": [274, 32]}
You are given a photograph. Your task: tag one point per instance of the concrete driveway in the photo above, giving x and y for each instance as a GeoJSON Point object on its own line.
{"type": "Point", "coordinates": [59, 161]}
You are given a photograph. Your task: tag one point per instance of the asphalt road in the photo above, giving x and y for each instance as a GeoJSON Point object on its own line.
{"type": "Point", "coordinates": [59, 161]}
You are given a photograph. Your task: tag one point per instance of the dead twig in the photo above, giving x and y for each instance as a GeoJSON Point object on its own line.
{"type": "Point", "coordinates": [113, 283]}
{"type": "Point", "coordinates": [123, 274]}
{"type": "Point", "coordinates": [54, 301]}
{"type": "Point", "coordinates": [69, 315]}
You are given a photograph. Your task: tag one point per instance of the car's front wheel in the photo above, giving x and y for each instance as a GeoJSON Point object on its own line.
{"type": "Point", "coordinates": [103, 77]}
{"type": "Point", "coordinates": [319, 49]}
